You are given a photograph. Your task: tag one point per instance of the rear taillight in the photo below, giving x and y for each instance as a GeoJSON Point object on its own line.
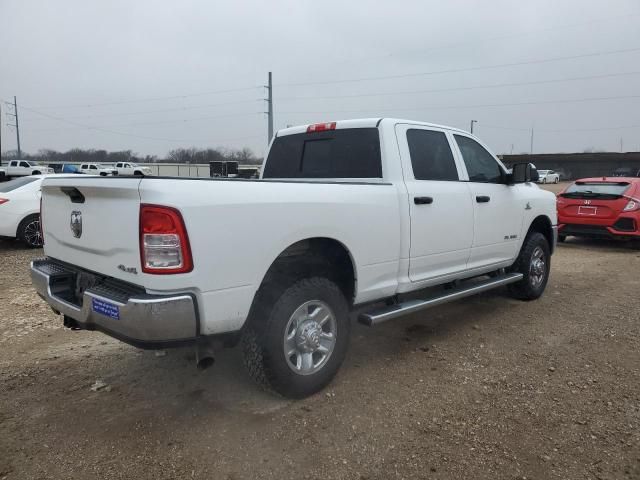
{"type": "Point", "coordinates": [164, 244]}
{"type": "Point", "coordinates": [321, 127]}
{"type": "Point", "coordinates": [3, 200]}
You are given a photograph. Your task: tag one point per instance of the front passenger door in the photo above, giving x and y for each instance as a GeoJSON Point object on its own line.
{"type": "Point", "coordinates": [498, 209]}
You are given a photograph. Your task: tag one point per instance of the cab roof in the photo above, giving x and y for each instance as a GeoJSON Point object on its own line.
{"type": "Point", "coordinates": [362, 123]}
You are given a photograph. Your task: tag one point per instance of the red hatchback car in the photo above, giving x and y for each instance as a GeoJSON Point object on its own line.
{"type": "Point", "coordinates": [605, 207]}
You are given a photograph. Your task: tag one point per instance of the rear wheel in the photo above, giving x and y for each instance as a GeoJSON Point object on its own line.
{"type": "Point", "coordinates": [29, 231]}
{"type": "Point", "coordinates": [557, 180]}
{"type": "Point", "coordinates": [37, 172]}
{"type": "Point", "coordinates": [534, 262]}
{"type": "Point", "coordinates": [298, 345]}
{"type": "Point", "coordinates": [562, 238]}
{"type": "Point", "coordinates": [138, 173]}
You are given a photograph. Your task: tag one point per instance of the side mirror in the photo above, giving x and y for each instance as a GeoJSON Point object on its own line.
{"type": "Point", "coordinates": [523, 173]}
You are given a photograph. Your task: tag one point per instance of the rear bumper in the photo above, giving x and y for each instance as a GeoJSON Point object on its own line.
{"type": "Point", "coordinates": [119, 310]}
{"type": "Point", "coordinates": [596, 231]}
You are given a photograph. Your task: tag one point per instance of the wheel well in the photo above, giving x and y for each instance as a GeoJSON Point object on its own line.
{"type": "Point", "coordinates": [542, 224]}
{"type": "Point", "coordinates": [323, 257]}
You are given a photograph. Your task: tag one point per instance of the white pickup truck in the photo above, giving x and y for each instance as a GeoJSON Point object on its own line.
{"type": "Point", "coordinates": [347, 215]}
{"type": "Point", "coordinates": [98, 169]}
{"type": "Point", "coordinates": [21, 168]}
{"type": "Point", "coordinates": [130, 168]}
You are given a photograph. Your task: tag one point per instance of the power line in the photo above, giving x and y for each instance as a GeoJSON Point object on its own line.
{"type": "Point", "coordinates": [163, 110]}
{"type": "Point", "coordinates": [453, 107]}
{"type": "Point", "coordinates": [561, 130]}
{"type": "Point", "coordinates": [489, 39]}
{"type": "Point", "coordinates": [466, 69]}
{"type": "Point", "coordinates": [475, 87]}
{"type": "Point", "coordinates": [102, 129]}
{"type": "Point", "coordinates": [148, 99]}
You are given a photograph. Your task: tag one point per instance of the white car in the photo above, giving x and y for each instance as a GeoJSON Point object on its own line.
{"type": "Point", "coordinates": [22, 168]}
{"type": "Point", "coordinates": [548, 176]}
{"type": "Point", "coordinates": [20, 209]}
{"type": "Point", "coordinates": [347, 215]}
{"type": "Point", "coordinates": [98, 169]}
{"type": "Point", "coordinates": [130, 168]}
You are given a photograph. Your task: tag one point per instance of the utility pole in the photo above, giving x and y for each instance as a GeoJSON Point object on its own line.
{"type": "Point", "coordinates": [472, 122]}
{"type": "Point", "coordinates": [620, 144]}
{"type": "Point", "coordinates": [16, 125]}
{"type": "Point", "coordinates": [531, 147]}
{"type": "Point", "coordinates": [270, 107]}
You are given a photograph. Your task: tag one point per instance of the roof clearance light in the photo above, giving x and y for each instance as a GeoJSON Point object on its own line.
{"type": "Point", "coordinates": [321, 127]}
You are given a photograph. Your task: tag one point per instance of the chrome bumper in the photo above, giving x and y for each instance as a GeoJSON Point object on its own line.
{"type": "Point", "coordinates": [121, 311]}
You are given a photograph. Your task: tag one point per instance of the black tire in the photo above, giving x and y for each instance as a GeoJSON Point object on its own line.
{"type": "Point", "coordinates": [264, 341]}
{"type": "Point", "coordinates": [35, 173]}
{"type": "Point", "coordinates": [562, 238]}
{"type": "Point", "coordinates": [29, 231]}
{"type": "Point", "coordinates": [557, 180]}
{"type": "Point", "coordinates": [138, 173]}
{"type": "Point", "coordinates": [102, 174]}
{"type": "Point", "coordinates": [535, 279]}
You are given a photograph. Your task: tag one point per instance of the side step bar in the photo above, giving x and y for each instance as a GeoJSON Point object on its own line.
{"type": "Point", "coordinates": [388, 313]}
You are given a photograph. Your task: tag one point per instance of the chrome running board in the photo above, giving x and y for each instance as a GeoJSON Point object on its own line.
{"type": "Point", "coordinates": [383, 314]}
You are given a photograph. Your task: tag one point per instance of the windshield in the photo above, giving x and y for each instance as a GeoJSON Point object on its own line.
{"type": "Point", "coordinates": [603, 190]}
{"type": "Point", "coordinates": [17, 183]}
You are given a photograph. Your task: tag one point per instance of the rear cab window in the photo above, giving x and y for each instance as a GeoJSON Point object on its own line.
{"type": "Point", "coordinates": [334, 154]}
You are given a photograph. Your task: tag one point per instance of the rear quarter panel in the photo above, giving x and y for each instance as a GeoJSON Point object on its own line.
{"type": "Point", "coordinates": [238, 228]}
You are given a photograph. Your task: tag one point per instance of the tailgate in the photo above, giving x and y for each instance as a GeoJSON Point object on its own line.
{"type": "Point", "coordinates": [92, 222]}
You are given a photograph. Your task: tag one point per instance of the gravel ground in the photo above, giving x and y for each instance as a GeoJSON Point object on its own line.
{"type": "Point", "coordinates": [486, 388]}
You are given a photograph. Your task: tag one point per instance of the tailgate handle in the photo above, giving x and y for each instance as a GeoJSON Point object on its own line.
{"type": "Point", "coordinates": [73, 193]}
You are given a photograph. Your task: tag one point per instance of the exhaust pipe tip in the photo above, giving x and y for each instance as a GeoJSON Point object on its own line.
{"type": "Point", "coordinates": [204, 363]}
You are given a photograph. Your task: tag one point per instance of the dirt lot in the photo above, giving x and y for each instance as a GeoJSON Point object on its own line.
{"type": "Point", "coordinates": [487, 388]}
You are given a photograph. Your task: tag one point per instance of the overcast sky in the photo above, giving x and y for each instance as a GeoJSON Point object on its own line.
{"type": "Point", "coordinates": [152, 75]}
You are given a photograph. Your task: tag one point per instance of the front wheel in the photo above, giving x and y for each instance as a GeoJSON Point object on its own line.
{"type": "Point", "coordinates": [557, 180]}
{"type": "Point", "coordinates": [29, 231]}
{"type": "Point", "coordinates": [534, 262]}
{"type": "Point", "coordinates": [298, 346]}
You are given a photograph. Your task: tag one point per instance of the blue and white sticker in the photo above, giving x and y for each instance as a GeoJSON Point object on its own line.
{"type": "Point", "coordinates": [105, 308]}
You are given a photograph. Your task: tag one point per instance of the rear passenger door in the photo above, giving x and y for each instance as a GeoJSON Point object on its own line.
{"type": "Point", "coordinates": [439, 203]}
{"type": "Point", "coordinates": [498, 207]}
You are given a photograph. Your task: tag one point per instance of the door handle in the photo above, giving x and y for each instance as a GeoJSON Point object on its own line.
{"type": "Point", "coordinates": [483, 198]}
{"type": "Point", "coordinates": [422, 200]}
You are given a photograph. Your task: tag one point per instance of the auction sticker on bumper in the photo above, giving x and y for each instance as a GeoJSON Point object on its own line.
{"type": "Point", "coordinates": [105, 308]}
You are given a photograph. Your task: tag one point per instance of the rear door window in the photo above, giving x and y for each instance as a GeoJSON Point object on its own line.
{"type": "Point", "coordinates": [344, 153]}
{"type": "Point", "coordinates": [431, 157]}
